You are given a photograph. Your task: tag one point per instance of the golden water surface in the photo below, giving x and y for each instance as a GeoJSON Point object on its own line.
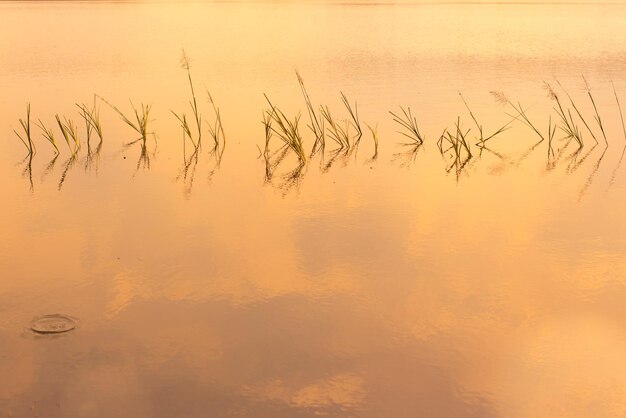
{"type": "Point", "coordinates": [395, 286]}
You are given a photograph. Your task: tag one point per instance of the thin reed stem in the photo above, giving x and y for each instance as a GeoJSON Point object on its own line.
{"type": "Point", "coordinates": [27, 139]}
{"type": "Point", "coordinates": [621, 115]}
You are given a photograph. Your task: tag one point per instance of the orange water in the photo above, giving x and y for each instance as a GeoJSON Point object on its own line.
{"type": "Point", "coordinates": [400, 286]}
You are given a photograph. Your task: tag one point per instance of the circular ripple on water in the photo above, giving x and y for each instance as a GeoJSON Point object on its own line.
{"type": "Point", "coordinates": [53, 324]}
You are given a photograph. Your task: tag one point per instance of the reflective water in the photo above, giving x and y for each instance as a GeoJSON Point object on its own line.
{"type": "Point", "coordinates": [409, 285]}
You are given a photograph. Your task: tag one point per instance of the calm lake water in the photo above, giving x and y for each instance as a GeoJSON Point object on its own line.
{"type": "Point", "coordinates": [406, 285]}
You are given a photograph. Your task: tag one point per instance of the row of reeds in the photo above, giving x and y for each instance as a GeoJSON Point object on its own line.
{"type": "Point", "coordinates": [456, 142]}
{"type": "Point", "coordinates": [70, 132]}
{"type": "Point", "coordinates": [344, 133]}
{"type": "Point", "coordinates": [67, 128]}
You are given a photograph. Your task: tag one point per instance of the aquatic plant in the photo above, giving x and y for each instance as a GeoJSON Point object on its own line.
{"type": "Point", "coordinates": [578, 112]}
{"type": "Point", "coordinates": [501, 98]}
{"type": "Point", "coordinates": [48, 134]}
{"type": "Point", "coordinates": [69, 132]}
{"type": "Point", "coordinates": [88, 128]}
{"type": "Point", "coordinates": [185, 126]}
{"type": "Point", "coordinates": [27, 139]}
{"type": "Point", "coordinates": [65, 133]}
{"type": "Point", "coordinates": [621, 158]}
{"type": "Point", "coordinates": [185, 64]}
{"type": "Point", "coordinates": [621, 115]}
{"type": "Point", "coordinates": [482, 139]}
{"type": "Point", "coordinates": [140, 125]}
{"type": "Point", "coordinates": [595, 109]}
{"type": "Point", "coordinates": [458, 148]}
{"type": "Point", "coordinates": [354, 115]}
{"type": "Point", "coordinates": [339, 134]}
{"type": "Point", "coordinates": [316, 123]}
{"type": "Point", "coordinates": [551, 133]}
{"type": "Point", "coordinates": [216, 130]}
{"type": "Point", "coordinates": [287, 130]}
{"type": "Point", "coordinates": [568, 126]}
{"type": "Point", "coordinates": [409, 123]}
{"type": "Point", "coordinates": [92, 118]}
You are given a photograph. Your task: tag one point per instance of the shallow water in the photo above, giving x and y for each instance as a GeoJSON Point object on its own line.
{"type": "Point", "coordinates": [401, 286]}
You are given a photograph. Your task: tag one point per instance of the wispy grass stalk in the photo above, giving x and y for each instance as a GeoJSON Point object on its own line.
{"type": "Point", "coordinates": [354, 116]}
{"type": "Point", "coordinates": [621, 115]}
{"type": "Point", "coordinates": [88, 127]}
{"type": "Point", "coordinates": [482, 139]}
{"type": "Point", "coordinates": [595, 109]}
{"type": "Point", "coordinates": [186, 65]}
{"type": "Point", "coordinates": [316, 122]}
{"type": "Point", "coordinates": [500, 97]}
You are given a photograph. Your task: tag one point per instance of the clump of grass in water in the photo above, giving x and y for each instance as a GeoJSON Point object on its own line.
{"type": "Point", "coordinates": [92, 118]}
{"type": "Point", "coordinates": [48, 134]}
{"type": "Point", "coordinates": [69, 132]}
{"type": "Point", "coordinates": [409, 123]}
{"type": "Point", "coordinates": [339, 134]}
{"type": "Point", "coordinates": [339, 130]}
{"type": "Point", "coordinates": [458, 143]}
{"type": "Point", "coordinates": [272, 160]}
{"type": "Point", "coordinates": [27, 139]}
{"type": "Point", "coordinates": [568, 126]}
{"type": "Point", "coordinates": [286, 130]}
{"type": "Point", "coordinates": [140, 125]}
{"type": "Point", "coordinates": [217, 129]}
{"type": "Point", "coordinates": [578, 112]}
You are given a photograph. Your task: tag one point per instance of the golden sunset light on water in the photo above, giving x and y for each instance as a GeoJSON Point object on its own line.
{"type": "Point", "coordinates": [302, 209]}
